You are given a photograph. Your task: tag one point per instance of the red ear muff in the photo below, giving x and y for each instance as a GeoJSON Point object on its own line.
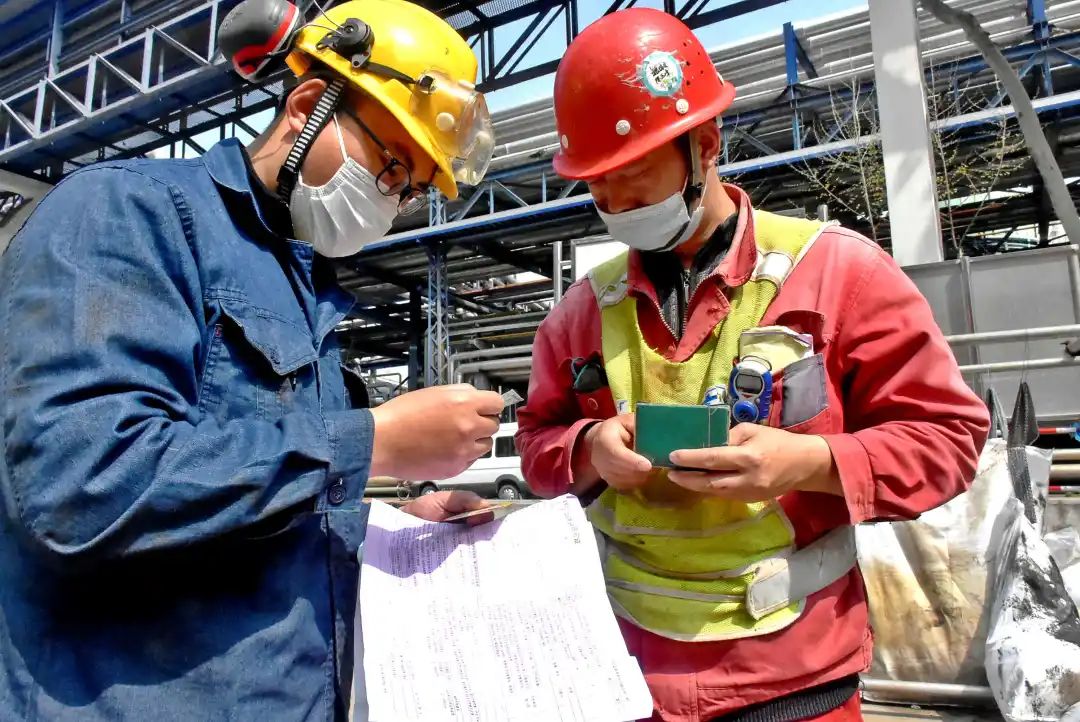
{"type": "Point", "coordinates": [255, 33]}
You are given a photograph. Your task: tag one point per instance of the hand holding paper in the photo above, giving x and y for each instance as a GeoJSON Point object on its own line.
{"type": "Point", "coordinates": [505, 621]}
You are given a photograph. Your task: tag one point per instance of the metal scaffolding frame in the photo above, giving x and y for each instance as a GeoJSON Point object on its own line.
{"type": "Point", "coordinates": [88, 80]}
{"type": "Point", "coordinates": [437, 355]}
{"type": "Point", "coordinates": [118, 78]}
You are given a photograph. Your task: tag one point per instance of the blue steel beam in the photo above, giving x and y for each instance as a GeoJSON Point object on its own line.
{"type": "Point", "coordinates": [456, 231]}
{"type": "Point", "coordinates": [791, 66]}
{"type": "Point", "coordinates": [56, 39]}
{"type": "Point", "coordinates": [971, 65]}
{"type": "Point", "coordinates": [1040, 30]}
{"type": "Point", "coordinates": [1065, 57]}
{"type": "Point", "coordinates": [698, 18]}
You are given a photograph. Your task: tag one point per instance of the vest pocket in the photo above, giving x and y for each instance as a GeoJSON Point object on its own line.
{"type": "Point", "coordinates": [803, 395]}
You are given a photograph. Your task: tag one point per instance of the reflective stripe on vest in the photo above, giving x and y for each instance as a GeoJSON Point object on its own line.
{"type": "Point", "coordinates": [677, 563]}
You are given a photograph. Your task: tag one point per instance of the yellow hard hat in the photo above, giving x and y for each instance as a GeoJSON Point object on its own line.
{"type": "Point", "coordinates": [415, 65]}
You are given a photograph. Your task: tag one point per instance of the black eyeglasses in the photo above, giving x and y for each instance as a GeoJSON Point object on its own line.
{"type": "Point", "coordinates": [395, 179]}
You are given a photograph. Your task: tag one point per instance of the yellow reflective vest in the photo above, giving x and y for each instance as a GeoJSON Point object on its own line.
{"type": "Point", "coordinates": [679, 564]}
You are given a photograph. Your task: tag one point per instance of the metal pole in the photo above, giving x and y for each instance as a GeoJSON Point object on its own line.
{"type": "Point", "coordinates": [1074, 279]}
{"type": "Point", "coordinates": [1025, 334]}
{"type": "Point", "coordinates": [557, 269]}
{"type": "Point", "coordinates": [416, 339]}
{"type": "Point", "coordinates": [56, 38]}
{"type": "Point", "coordinates": [927, 692]}
{"type": "Point", "coordinates": [791, 65]}
{"type": "Point", "coordinates": [975, 356]}
{"type": "Point", "coordinates": [1044, 363]}
{"type": "Point", "coordinates": [437, 357]}
{"type": "Point", "coordinates": [905, 133]}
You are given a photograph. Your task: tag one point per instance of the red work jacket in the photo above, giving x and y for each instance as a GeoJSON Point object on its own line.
{"type": "Point", "coordinates": [904, 429]}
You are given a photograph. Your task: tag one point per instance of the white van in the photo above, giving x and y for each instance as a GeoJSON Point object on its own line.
{"type": "Point", "coordinates": [496, 475]}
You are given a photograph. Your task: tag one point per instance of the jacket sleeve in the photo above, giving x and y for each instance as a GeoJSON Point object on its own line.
{"type": "Point", "coordinates": [915, 428]}
{"type": "Point", "coordinates": [551, 424]}
{"type": "Point", "coordinates": [106, 454]}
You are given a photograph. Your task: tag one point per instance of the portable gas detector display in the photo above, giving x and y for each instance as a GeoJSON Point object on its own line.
{"type": "Point", "coordinates": [663, 429]}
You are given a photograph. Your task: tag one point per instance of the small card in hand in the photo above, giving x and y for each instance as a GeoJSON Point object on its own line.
{"type": "Point", "coordinates": [497, 510]}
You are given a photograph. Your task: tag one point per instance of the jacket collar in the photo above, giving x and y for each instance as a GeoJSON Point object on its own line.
{"type": "Point", "coordinates": [227, 164]}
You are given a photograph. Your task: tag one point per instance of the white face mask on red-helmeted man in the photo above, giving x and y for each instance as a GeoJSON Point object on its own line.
{"type": "Point", "coordinates": [658, 227]}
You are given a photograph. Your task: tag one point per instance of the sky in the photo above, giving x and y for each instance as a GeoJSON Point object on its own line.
{"type": "Point", "coordinates": [552, 45]}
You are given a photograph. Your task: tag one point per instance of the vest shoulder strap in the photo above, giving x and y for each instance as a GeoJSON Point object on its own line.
{"type": "Point", "coordinates": [608, 280]}
{"type": "Point", "coordinates": [782, 242]}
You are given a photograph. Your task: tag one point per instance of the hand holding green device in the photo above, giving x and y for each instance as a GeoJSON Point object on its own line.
{"type": "Point", "coordinates": [662, 429]}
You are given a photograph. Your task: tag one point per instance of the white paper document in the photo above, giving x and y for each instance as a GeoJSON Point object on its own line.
{"type": "Point", "coordinates": [504, 622]}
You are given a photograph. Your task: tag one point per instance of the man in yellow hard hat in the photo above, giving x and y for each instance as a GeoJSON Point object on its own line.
{"type": "Point", "coordinates": [182, 470]}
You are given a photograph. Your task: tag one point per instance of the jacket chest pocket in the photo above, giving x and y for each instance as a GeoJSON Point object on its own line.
{"type": "Point", "coordinates": [257, 365]}
{"type": "Point", "coordinates": [801, 397]}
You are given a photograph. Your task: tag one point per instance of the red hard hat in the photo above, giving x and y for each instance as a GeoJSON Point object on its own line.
{"type": "Point", "coordinates": [629, 83]}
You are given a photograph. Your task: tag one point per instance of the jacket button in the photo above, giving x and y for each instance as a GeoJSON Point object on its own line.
{"type": "Point", "coordinates": [336, 493]}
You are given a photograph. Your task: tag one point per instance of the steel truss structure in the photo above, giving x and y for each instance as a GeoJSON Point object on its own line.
{"type": "Point", "coordinates": [95, 79]}
{"type": "Point", "coordinates": [87, 80]}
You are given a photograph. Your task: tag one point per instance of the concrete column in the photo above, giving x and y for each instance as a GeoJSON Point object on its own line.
{"type": "Point", "coordinates": [905, 133]}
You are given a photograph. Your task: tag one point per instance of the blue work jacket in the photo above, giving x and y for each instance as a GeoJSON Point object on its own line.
{"type": "Point", "coordinates": [182, 473]}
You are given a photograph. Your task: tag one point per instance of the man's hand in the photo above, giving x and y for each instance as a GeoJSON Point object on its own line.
{"type": "Point", "coordinates": [434, 433]}
{"type": "Point", "coordinates": [443, 504]}
{"type": "Point", "coordinates": [759, 463]}
{"type": "Point", "coordinates": [609, 455]}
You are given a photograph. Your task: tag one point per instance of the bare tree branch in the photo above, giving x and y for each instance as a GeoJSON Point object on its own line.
{"type": "Point", "coordinates": [1037, 144]}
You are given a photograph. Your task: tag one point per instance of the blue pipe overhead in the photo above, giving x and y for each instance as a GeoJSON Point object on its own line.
{"type": "Point", "coordinates": [400, 240]}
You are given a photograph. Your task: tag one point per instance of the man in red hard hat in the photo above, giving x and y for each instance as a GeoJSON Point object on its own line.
{"type": "Point", "coordinates": [735, 584]}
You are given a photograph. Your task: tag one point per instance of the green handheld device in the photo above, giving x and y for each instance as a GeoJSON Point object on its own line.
{"type": "Point", "coordinates": [663, 429]}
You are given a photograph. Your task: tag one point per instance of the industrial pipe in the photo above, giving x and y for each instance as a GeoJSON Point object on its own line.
{"type": "Point", "coordinates": [1043, 363]}
{"type": "Point", "coordinates": [1059, 430]}
{"type": "Point", "coordinates": [1065, 472]}
{"type": "Point", "coordinates": [495, 365]}
{"type": "Point", "coordinates": [1025, 334]}
{"type": "Point", "coordinates": [927, 692]}
{"type": "Point", "coordinates": [1066, 455]}
{"type": "Point", "coordinates": [557, 269]}
{"type": "Point", "coordinates": [525, 349]}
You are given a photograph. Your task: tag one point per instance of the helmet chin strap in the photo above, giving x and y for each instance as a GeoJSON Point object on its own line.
{"type": "Point", "coordinates": [693, 194]}
{"type": "Point", "coordinates": [695, 189]}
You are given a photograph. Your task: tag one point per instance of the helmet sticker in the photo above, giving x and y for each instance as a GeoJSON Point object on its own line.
{"type": "Point", "coordinates": [661, 74]}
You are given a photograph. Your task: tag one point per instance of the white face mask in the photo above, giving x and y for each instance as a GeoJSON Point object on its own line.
{"type": "Point", "coordinates": [659, 227]}
{"type": "Point", "coordinates": [346, 214]}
